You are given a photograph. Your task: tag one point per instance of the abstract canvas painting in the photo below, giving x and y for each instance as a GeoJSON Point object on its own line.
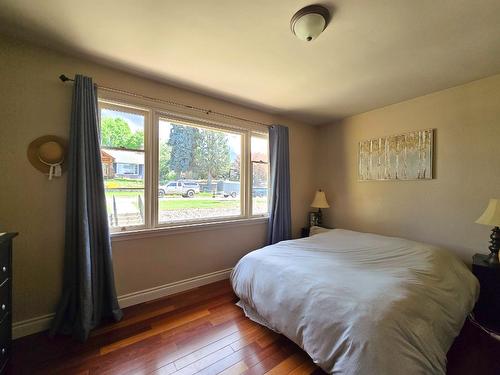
{"type": "Point", "coordinates": [397, 157]}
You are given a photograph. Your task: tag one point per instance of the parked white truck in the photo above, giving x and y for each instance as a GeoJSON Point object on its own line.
{"type": "Point", "coordinates": [185, 188]}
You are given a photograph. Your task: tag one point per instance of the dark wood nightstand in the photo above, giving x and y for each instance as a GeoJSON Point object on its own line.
{"type": "Point", "coordinates": [487, 310]}
{"type": "Point", "coordinates": [304, 232]}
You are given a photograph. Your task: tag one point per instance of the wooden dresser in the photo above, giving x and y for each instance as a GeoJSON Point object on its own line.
{"type": "Point", "coordinates": [5, 299]}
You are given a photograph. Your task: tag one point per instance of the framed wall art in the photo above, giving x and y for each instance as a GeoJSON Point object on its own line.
{"type": "Point", "coordinates": [397, 157]}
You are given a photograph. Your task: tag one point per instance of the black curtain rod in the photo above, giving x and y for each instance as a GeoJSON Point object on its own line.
{"type": "Point", "coordinates": [65, 78]}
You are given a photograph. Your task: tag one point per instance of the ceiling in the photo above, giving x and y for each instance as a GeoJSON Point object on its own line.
{"type": "Point", "coordinates": [372, 54]}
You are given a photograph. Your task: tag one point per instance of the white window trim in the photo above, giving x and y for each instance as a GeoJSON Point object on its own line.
{"type": "Point", "coordinates": [205, 124]}
{"type": "Point", "coordinates": [153, 113]}
{"type": "Point", "coordinates": [194, 227]}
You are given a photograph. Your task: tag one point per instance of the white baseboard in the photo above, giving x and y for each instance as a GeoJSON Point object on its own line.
{"type": "Point", "coordinates": [42, 323]}
{"type": "Point", "coordinates": [172, 288]}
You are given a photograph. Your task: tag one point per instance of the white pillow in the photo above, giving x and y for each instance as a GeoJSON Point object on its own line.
{"type": "Point", "coordinates": [316, 230]}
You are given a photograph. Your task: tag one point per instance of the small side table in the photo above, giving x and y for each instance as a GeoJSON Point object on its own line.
{"type": "Point", "coordinates": [487, 309]}
{"type": "Point", "coordinates": [304, 232]}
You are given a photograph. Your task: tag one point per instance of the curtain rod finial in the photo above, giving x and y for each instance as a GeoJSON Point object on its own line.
{"type": "Point", "coordinates": [64, 78]}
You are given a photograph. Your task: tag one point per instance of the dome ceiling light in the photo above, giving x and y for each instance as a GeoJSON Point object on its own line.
{"type": "Point", "coordinates": [309, 22]}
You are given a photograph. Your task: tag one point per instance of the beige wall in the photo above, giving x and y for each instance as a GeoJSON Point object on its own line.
{"type": "Point", "coordinates": [33, 102]}
{"type": "Point", "coordinates": [467, 169]}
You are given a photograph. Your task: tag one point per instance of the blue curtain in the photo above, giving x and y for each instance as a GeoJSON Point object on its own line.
{"type": "Point", "coordinates": [280, 217]}
{"type": "Point", "coordinates": [89, 293]}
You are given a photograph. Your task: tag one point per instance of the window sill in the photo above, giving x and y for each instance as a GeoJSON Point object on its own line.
{"type": "Point", "coordinates": [185, 228]}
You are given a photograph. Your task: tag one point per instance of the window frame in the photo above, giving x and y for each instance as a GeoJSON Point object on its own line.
{"type": "Point", "coordinates": [161, 115]}
{"type": "Point", "coordinates": [152, 116]}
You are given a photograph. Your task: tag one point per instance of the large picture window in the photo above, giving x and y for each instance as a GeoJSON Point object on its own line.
{"type": "Point", "coordinates": [202, 165]}
{"type": "Point", "coordinates": [162, 171]}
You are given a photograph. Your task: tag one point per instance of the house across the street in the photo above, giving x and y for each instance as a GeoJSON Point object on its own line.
{"type": "Point", "coordinates": [122, 164]}
{"type": "Point", "coordinates": [107, 165]}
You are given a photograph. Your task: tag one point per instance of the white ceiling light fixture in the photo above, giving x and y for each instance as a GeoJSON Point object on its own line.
{"type": "Point", "coordinates": [309, 22]}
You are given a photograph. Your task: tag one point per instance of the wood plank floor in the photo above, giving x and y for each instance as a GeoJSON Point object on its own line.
{"type": "Point", "coordinates": [200, 332]}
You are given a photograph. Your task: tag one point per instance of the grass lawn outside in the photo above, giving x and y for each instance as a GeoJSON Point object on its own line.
{"type": "Point", "coordinates": [183, 204]}
{"type": "Point", "coordinates": [114, 183]}
{"type": "Point", "coordinates": [131, 194]}
{"type": "Point", "coordinates": [128, 202]}
{"type": "Point", "coordinates": [171, 203]}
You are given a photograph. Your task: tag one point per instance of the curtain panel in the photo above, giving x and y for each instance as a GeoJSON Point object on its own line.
{"type": "Point", "coordinates": [89, 293]}
{"type": "Point", "coordinates": [280, 217]}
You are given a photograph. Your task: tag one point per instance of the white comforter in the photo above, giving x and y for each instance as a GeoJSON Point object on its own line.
{"type": "Point", "coordinates": [360, 303]}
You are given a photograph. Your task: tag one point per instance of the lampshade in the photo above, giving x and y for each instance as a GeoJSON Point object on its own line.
{"type": "Point", "coordinates": [320, 200]}
{"type": "Point", "coordinates": [491, 216]}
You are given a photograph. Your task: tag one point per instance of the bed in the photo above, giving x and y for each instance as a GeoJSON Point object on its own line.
{"type": "Point", "coordinates": [359, 303]}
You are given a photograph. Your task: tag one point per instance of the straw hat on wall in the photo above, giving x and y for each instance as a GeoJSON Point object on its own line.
{"type": "Point", "coordinates": [47, 154]}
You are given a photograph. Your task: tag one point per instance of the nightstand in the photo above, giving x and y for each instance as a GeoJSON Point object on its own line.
{"type": "Point", "coordinates": [487, 310]}
{"type": "Point", "coordinates": [304, 232]}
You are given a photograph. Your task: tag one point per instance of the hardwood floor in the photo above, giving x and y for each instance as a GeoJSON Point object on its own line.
{"type": "Point", "coordinates": [200, 331]}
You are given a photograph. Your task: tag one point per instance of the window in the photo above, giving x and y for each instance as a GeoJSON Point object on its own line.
{"type": "Point", "coordinates": [260, 174]}
{"type": "Point", "coordinates": [122, 157]}
{"type": "Point", "coordinates": [164, 170]}
{"type": "Point", "coordinates": [206, 165]}
{"type": "Point", "coordinates": [124, 168]}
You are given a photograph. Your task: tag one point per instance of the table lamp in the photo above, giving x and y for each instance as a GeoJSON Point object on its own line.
{"type": "Point", "coordinates": [320, 202]}
{"type": "Point", "coordinates": [491, 217]}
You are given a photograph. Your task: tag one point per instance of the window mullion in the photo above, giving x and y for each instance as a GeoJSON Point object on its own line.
{"type": "Point", "coordinates": [147, 170]}
{"type": "Point", "coordinates": [154, 170]}
{"type": "Point", "coordinates": [247, 174]}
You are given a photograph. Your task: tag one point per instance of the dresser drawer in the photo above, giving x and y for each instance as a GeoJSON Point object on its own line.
{"type": "Point", "coordinates": [5, 337]}
{"type": "Point", "coordinates": [4, 264]}
{"type": "Point", "coordinates": [4, 300]}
